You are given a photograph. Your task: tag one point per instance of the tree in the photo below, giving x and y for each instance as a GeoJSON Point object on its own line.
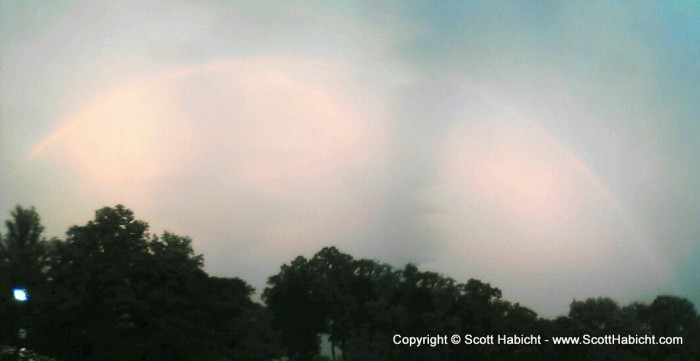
{"type": "Point", "coordinates": [98, 278]}
{"type": "Point", "coordinates": [118, 293]}
{"type": "Point", "coordinates": [597, 316]}
{"type": "Point", "coordinates": [297, 309]}
{"type": "Point", "coordinates": [671, 316]}
{"type": "Point", "coordinates": [23, 248]}
{"type": "Point", "coordinates": [352, 293]}
{"type": "Point", "coordinates": [333, 281]}
{"type": "Point", "coordinates": [112, 291]}
{"type": "Point", "coordinates": [22, 264]}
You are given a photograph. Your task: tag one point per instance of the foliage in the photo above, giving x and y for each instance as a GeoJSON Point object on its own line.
{"type": "Point", "coordinates": [22, 263]}
{"type": "Point", "coordinates": [361, 304]}
{"type": "Point", "coordinates": [113, 291]}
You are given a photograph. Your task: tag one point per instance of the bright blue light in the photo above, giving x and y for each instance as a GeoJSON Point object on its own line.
{"type": "Point", "coordinates": [20, 294]}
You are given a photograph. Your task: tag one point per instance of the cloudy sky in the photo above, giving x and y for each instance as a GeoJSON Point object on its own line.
{"type": "Point", "coordinates": [550, 149]}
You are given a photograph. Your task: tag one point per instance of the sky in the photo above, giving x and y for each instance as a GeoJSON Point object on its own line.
{"type": "Point", "coordinates": [548, 148]}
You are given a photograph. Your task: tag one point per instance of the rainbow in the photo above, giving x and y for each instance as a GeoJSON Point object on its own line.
{"type": "Point", "coordinates": [579, 164]}
{"type": "Point", "coordinates": [583, 168]}
{"type": "Point", "coordinates": [135, 85]}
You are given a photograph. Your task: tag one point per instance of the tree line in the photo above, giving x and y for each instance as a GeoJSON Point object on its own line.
{"type": "Point", "coordinates": [113, 291]}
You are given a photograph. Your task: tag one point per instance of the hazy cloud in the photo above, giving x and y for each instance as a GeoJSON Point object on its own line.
{"type": "Point", "coordinates": [545, 148]}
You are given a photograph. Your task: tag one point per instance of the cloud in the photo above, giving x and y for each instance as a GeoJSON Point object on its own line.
{"type": "Point", "coordinates": [244, 153]}
{"type": "Point", "coordinates": [544, 149]}
{"type": "Point", "coordinates": [513, 207]}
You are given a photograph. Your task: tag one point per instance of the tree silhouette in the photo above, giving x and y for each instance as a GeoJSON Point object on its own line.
{"type": "Point", "coordinates": [23, 249]}
{"type": "Point", "coordinates": [112, 291]}
{"type": "Point", "coordinates": [297, 309]}
{"type": "Point", "coordinates": [673, 316]}
{"type": "Point", "coordinates": [118, 293]}
{"type": "Point", "coordinates": [22, 263]}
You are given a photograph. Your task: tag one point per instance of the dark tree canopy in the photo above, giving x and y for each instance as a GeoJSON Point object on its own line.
{"type": "Point", "coordinates": [361, 304]}
{"type": "Point", "coordinates": [113, 291]}
{"type": "Point", "coordinates": [23, 248]}
{"type": "Point", "coordinates": [23, 251]}
{"type": "Point", "coordinates": [116, 292]}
